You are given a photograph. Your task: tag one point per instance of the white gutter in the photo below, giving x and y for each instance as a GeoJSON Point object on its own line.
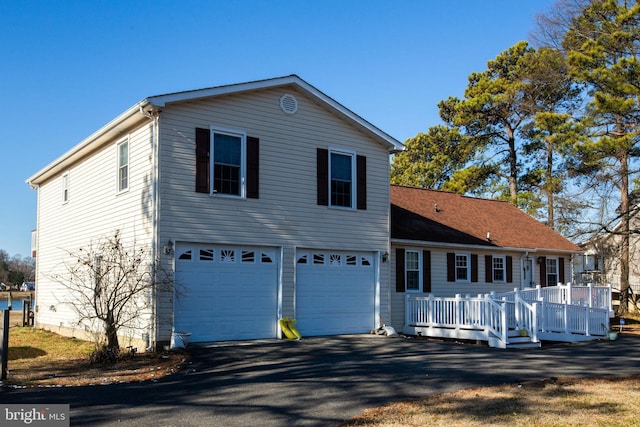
{"type": "Point", "coordinates": [407, 242]}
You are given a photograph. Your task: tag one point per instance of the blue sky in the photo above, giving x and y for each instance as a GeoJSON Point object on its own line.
{"type": "Point", "coordinates": [69, 67]}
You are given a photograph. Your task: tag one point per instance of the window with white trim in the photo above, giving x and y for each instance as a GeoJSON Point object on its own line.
{"type": "Point", "coordinates": [412, 270]}
{"type": "Point", "coordinates": [463, 268]}
{"type": "Point", "coordinates": [342, 179]}
{"type": "Point", "coordinates": [499, 269]}
{"type": "Point", "coordinates": [123, 165]}
{"type": "Point", "coordinates": [65, 188]}
{"type": "Point", "coordinates": [552, 271]}
{"type": "Point", "coordinates": [228, 150]}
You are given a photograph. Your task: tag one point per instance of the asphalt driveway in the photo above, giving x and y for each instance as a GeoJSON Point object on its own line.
{"type": "Point", "coordinates": [322, 381]}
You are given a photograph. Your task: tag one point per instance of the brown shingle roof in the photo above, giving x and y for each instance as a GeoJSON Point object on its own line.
{"type": "Point", "coordinates": [437, 216]}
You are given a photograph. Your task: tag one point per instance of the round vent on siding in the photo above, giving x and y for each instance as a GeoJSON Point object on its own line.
{"type": "Point", "coordinates": [288, 103]}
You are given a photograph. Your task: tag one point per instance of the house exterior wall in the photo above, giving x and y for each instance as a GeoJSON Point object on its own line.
{"type": "Point", "coordinates": [286, 214]}
{"type": "Point", "coordinates": [601, 262]}
{"type": "Point", "coordinates": [94, 210]}
{"type": "Point", "coordinates": [442, 287]}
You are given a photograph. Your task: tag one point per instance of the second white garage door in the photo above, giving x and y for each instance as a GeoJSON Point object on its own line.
{"type": "Point", "coordinates": [335, 292]}
{"type": "Point", "coordinates": [228, 292]}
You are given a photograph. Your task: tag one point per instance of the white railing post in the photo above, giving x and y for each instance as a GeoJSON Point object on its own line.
{"type": "Point", "coordinates": [590, 287]}
{"type": "Point", "coordinates": [587, 316]}
{"type": "Point", "coordinates": [503, 322]}
{"type": "Point", "coordinates": [534, 326]}
{"type": "Point", "coordinates": [566, 318]}
{"type": "Point", "coordinates": [431, 310]}
{"type": "Point", "coordinates": [458, 311]}
{"type": "Point", "coordinates": [517, 309]}
{"type": "Point", "coordinates": [569, 294]}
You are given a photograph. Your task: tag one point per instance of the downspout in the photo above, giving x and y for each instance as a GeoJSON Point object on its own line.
{"type": "Point", "coordinates": [153, 115]}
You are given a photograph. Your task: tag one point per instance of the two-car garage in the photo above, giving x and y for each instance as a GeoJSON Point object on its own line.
{"type": "Point", "coordinates": [234, 293]}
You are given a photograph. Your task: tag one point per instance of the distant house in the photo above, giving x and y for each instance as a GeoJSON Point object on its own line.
{"type": "Point", "coordinates": [600, 262]}
{"type": "Point", "coordinates": [447, 244]}
{"type": "Point", "coordinates": [265, 199]}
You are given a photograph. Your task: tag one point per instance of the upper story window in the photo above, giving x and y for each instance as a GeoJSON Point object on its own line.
{"type": "Point", "coordinates": [65, 187]}
{"type": "Point", "coordinates": [341, 179]}
{"type": "Point", "coordinates": [228, 165]}
{"type": "Point", "coordinates": [552, 271]}
{"type": "Point", "coordinates": [499, 269]}
{"type": "Point", "coordinates": [228, 159]}
{"type": "Point", "coordinates": [412, 270]}
{"type": "Point", "coordinates": [462, 268]}
{"type": "Point", "coordinates": [123, 165]}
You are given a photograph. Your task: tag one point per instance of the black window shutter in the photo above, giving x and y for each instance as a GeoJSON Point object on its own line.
{"type": "Point", "coordinates": [509, 268]}
{"type": "Point", "coordinates": [253, 167]}
{"type": "Point", "coordinates": [323, 176]}
{"type": "Point", "coordinates": [561, 270]}
{"type": "Point", "coordinates": [361, 185]}
{"type": "Point", "coordinates": [488, 268]}
{"type": "Point", "coordinates": [451, 267]}
{"type": "Point", "coordinates": [426, 271]}
{"type": "Point", "coordinates": [400, 270]}
{"type": "Point", "coordinates": [474, 267]}
{"type": "Point", "coordinates": [203, 143]}
{"type": "Point", "coordinates": [543, 271]}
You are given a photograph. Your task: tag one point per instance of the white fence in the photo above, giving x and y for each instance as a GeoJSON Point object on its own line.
{"type": "Point", "coordinates": [563, 313]}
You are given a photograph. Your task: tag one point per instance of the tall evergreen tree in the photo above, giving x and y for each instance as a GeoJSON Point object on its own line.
{"type": "Point", "coordinates": [431, 158]}
{"type": "Point", "coordinates": [602, 44]}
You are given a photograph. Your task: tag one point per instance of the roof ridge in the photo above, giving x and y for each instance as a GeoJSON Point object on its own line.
{"type": "Point", "coordinates": [409, 187]}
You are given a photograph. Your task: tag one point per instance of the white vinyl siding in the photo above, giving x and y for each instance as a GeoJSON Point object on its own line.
{"type": "Point", "coordinates": [96, 212]}
{"type": "Point", "coordinates": [286, 214]}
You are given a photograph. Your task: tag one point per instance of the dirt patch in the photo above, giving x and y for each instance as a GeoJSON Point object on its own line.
{"type": "Point", "coordinates": [141, 367]}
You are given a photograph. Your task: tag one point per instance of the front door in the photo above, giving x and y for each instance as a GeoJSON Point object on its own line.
{"type": "Point", "coordinates": [527, 273]}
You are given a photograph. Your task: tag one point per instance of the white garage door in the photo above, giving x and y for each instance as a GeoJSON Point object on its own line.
{"type": "Point", "coordinates": [226, 292]}
{"type": "Point", "coordinates": [335, 292]}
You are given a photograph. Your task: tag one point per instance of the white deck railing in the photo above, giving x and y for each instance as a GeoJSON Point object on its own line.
{"type": "Point", "coordinates": [541, 312]}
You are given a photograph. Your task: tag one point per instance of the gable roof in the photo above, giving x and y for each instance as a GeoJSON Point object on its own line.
{"type": "Point", "coordinates": [137, 114]}
{"type": "Point", "coordinates": [449, 218]}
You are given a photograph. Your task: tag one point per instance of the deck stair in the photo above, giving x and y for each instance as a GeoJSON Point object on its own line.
{"type": "Point", "coordinates": [518, 319]}
{"type": "Point", "coordinates": [514, 340]}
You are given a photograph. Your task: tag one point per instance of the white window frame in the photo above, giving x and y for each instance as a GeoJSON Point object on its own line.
{"type": "Point", "coordinates": [352, 155]}
{"type": "Point", "coordinates": [243, 161]}
{"type": "Point", "coordinates": [407, 270]}
{"type": "Point", "coordinates": [65, 188]}
{"type": "Point", "coordinates": [494, 269]}
{"type": "Point", "coordinates": [552, 261]}
{"type": "Point", "coordinates": [468, 267]}
{"type": "Point", "coordinates": [119, 166]}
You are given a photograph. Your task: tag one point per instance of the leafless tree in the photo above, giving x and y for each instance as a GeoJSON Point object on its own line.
{"type": "Point", "coordinates": [109, 286]}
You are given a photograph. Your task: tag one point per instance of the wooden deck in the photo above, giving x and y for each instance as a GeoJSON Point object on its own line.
{"type": "Point", "coordinates": [522, 318]}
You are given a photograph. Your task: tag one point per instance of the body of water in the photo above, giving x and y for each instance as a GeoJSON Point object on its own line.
{"type": "Point", "coordinates": [15, 305]}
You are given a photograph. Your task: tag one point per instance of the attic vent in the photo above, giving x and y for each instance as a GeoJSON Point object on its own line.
{"type": "Point", "coordinates": [288, 103]}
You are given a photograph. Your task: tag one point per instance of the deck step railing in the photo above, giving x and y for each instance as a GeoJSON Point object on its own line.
{"type": "Point", "coordinates": [562, 313]}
